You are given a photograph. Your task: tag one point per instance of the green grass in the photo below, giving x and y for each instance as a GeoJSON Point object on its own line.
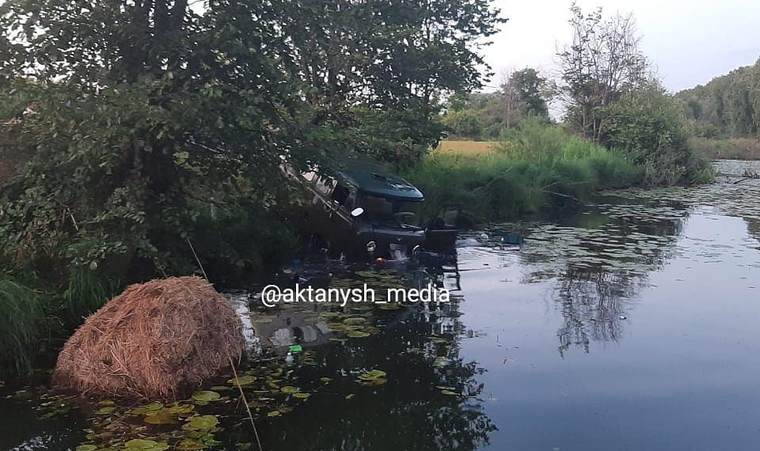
{"type": "Point", "coordinates": [536, 168]}
{"type": "Point", "coordinates": [32, 313]}
{"type": "Point", "coordinates": [85, 292]}
{"type": "Point", "coordinates": [21, 317]}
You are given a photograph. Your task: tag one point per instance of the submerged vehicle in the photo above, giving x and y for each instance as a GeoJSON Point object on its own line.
{"type": "Point", "coordinates": [362, 210]}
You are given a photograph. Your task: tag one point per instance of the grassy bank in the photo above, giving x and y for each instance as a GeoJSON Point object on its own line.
{"type": "Point", "coordinates": [36, 317]}
{"type": "Point", "coordinates": [726, 148]}
{"type": "Point", "coordinates": [537, 168]}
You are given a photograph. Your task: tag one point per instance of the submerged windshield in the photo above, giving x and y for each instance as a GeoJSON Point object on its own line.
{"type": "Point", "coordinates": [403, 213]}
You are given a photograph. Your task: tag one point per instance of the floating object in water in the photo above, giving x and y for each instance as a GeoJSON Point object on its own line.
{"type": "Point", "coordinates": [512, 238]}
{"type": "Point", "coordinates": [295, 349]}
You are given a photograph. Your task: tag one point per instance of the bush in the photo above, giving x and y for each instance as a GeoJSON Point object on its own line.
{"type": "Point", "coordinates": [648, 127]}
{"type": "Point", "coordinates": [538, 167]}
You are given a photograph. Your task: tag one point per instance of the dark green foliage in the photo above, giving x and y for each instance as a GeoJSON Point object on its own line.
{"type": "Point", "coordinates": [237, 239]}
{"type": "Point", "coordinates": [85, 292]}
{"type": "Point", "coordinates": [726, 107]}
{"type": "Point", "coordinates": [372, 73]}
{"type": "Point", "coordinates": [530, 88]}
{"type": "Point", "coordinates": [485, 116]}
{"type": "Point", "coordinates": [143, 127]}
{"type": "Point", "coordinates": [21, 315]}
{"type": "Point", "coordinates": [647, 125]}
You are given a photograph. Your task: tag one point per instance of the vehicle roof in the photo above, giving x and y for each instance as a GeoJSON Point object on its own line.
{"type": "Point", "coordinates": [371, 177]}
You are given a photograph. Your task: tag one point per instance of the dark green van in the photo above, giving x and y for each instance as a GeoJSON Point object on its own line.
{"type": "Point", "coordinates": [362, 210]}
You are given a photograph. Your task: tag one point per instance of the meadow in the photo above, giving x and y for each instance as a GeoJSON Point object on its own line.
{"type": "Point", "coordinates": [537, 168]}
{"type": "Point", "coordinates": [467, 147]}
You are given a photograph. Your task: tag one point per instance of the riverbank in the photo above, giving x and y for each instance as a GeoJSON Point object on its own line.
{"type": "Point", "coordinates": [537, 169]}
{"type": "Point", "coordinates": [661, 280]}
{"type": "Point", "coordinates": [726, 148]}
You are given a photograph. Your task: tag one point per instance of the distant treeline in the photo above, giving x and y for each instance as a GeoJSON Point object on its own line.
{"type": "Point", "coordinates": [485, 116]}
{"type": "Point", "coordinates": [726, 107]}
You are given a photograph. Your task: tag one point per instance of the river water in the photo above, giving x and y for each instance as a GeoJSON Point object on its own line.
{"type": "Point", "coordinates": [633, 325]}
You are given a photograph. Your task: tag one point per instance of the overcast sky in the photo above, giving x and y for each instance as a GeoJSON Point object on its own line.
{"type": "Point", "coordinates": [689, 42]}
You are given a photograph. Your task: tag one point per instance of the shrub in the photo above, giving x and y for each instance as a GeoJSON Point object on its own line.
{"type": "Point", "coordinates": [648, 127]}
{"type": "Point", "coordinates": [535, 168]}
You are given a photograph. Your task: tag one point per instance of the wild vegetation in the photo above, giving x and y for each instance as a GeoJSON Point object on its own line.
{"type": "Point", "coordinates": [724, 114]}
{"type": "Point", "coordinates": [138, 135]}
{"type": "Point", "coordinates": [726, 148]}
{"type": "Point", "coordinates": [538, 168]}
{"type": "Point", "coordinates": [524, 94]}
{"type": "Point", "coordinates": [620, 128]}
{"type": "Point", "coordinates": [726, 107]}
{"type": "Point", "coordinates": [146, 131]}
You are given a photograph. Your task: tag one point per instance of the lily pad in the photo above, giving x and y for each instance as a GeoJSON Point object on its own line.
{"type": "Point", "coordinates": [289, 389]}
{"type": "Point", "coordinates": [355, 321]}
{"type": "Point", "coordinates": [301, 395]}
{"type": "Point", "coordinates": [190, 444]}
{"type": "Point", "coordinates": [357, 334]}
{"type": "Point", "coordinates": [163, 416]}
{"type": "Point", "coordinates": [373, 377]}
{"type": "Point", "coordinates": [145, 445]}
{"type": "Point", "coordinates": [86, 448]}
{"type": "Point", "coordinates": [242, 381]}
{"type": "Point", "coordinates": [373, 374]}
{"type": "Point", "coordinates": [179, 409]}
{"type": "Point", "coordinates": [105, 410]}
{"type": "Point", "coordinates": [147, 408]}
{"type": "Point", "coordinates": [274, 413]}
{"type": "Point", "coordinates": [206, 396]}
{"type": "Point", "coordinates": [201, 423]}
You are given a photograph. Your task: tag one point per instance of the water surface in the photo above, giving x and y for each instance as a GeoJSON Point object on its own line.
{"type": "Point", "coordinates": [630, 326]}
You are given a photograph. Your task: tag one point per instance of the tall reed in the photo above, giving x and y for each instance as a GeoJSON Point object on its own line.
{"type": "Point", "coordinates": [21, 317]}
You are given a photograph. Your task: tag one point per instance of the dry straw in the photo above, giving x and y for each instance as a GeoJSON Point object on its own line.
{"type": "Point", "coordinates": [156, 340]}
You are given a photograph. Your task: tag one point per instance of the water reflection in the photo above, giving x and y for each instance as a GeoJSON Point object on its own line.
{"type": "Point", "coordinates": [649, 296]}
{"type": "Point", "coordinates": [432, 399]}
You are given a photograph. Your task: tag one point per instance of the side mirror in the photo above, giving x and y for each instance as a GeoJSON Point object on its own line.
{"type": "Point", "coordinates": [357, 212]}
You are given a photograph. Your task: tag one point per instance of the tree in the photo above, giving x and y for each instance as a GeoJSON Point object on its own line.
{"type": "Point", "coordinates": [367, 63]}
{"type": "Point", "coordinates": [150, 120]}
{"type": "Point", "coordinates": [727, 106]}
{"type": "Point", "coordinates": [531, 90]}
{"type": "Point", "coordinates": [647, 125]}
{"type": "Point", "coordinates": [602, 63]}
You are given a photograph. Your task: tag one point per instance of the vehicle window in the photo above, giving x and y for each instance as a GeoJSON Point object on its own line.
{"type": "Point", "coordinates": [340, 194]}
{"type": "Point", "coordinates": [325, 185]}
{"type": "Point", "coordinates": [407, 213]}
{"type": "Point", "coordinates": [378, 207]}
{"type": "Point", "coordinates": [393, 211]}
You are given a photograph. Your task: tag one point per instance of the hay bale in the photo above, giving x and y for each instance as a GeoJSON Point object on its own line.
{"type": "Point", "coordinates": [156, 340]}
